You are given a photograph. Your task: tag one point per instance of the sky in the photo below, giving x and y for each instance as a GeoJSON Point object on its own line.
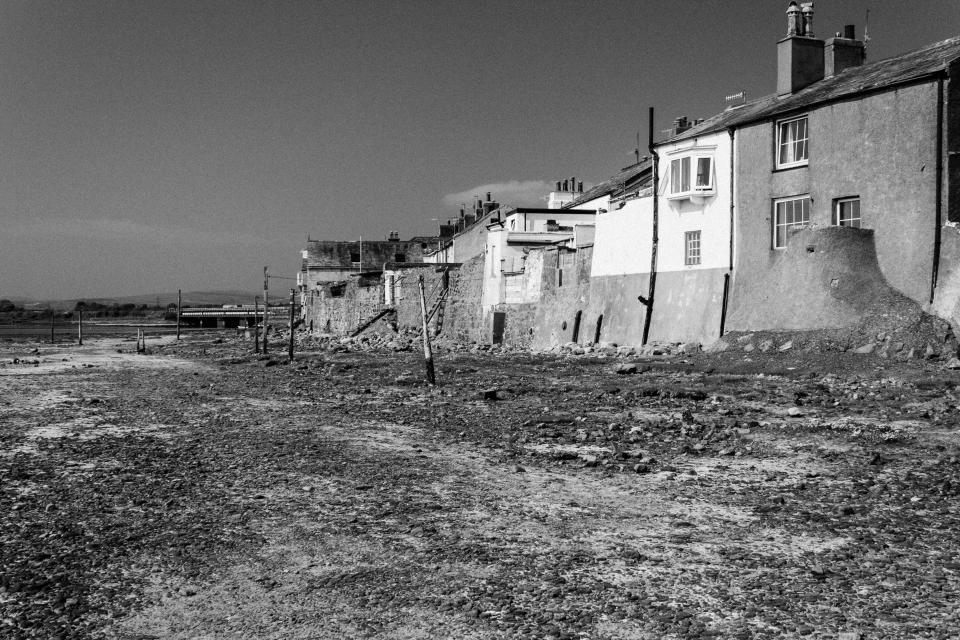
{"type": "Point", "coordinates": [147, 147]}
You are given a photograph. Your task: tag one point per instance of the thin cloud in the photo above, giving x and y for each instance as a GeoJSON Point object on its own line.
{"type": "Point", "coordinates": [514, 192]}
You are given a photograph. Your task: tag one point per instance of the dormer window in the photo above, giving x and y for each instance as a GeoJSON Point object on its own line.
{"type": "Point", "coordinates": [691, 176]}
{"type": "Point", "coordinates": [793, 139]}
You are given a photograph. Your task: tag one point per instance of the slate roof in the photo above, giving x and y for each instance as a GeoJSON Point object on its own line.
{"type": "Point", "coordinates": [625, 177]}
{"type": "Point", "coordinates": [883, 74]}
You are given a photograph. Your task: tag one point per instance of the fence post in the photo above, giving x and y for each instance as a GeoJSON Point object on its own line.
{"type": "Point", "coordinates": [427, 352]}
{"type": "Point", "coordinates": [80, 327]}
{"type": "Point", "coordinates": [53, 321]}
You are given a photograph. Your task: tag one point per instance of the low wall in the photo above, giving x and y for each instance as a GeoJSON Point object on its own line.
{"type": "Point", "coordinates": [615, 297]}
{"type": "Point", "coordinates": [946, 301]}
{"type": "Point", "coordinates": [687, 306]}
{"type": "Point", "coordinates": [826, 278]}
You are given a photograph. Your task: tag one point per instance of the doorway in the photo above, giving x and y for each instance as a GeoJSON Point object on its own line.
{"type": "Point", "coordinates": [499, 322]}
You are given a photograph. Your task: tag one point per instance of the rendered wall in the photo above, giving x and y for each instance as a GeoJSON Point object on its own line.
{"type": "Point", "coordinates": [881, 148]}
{"type": "Point", "coordinates": [825, 278]}
{"type": "Point", "coordinates": [946, 303]}
{"type": "Point", "coordinates": [471, 242]}
{"type": "Point", "coordinates": [688, 306]}
{"type": "Point", "coordinates": [710, 215]}
{"type": "Point", "coordinates": [623, 239]}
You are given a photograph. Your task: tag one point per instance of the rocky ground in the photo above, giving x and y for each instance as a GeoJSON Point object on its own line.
{"type": "Point", "coordinates": [199, 491]}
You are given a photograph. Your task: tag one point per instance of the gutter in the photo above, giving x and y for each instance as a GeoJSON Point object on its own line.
{"type": "Point", "coordinates": [939, 191]}
{"type": "Point", "coordinates": [648, 301]}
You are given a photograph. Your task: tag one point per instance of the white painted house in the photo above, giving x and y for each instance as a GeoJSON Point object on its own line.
{"type": "Point", "coordinates": [694, 198]}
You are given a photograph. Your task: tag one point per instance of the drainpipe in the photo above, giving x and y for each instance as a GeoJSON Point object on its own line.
{"type": "Point", "coordinates": [655, 160]}
{"type": "Point", "coordinates": [728, 275]}
{"type": "Point", "coordinates": [939, 196]}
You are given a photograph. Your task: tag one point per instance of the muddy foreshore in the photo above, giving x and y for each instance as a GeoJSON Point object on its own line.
{"type": "Point", "coordinates": [199, 491]}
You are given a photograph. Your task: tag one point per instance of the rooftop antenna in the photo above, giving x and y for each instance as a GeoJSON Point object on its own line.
{"type": "Point", "coordinates": [736, 99]}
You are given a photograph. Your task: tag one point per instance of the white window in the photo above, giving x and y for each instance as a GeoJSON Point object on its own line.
{"type": "Point", "coordinates": [792, 143]}
{"type": "Point", "coordinates": [846, 212]}
{"type": "Point", "coordinates": [789, 214]}
{"type": "Point", "coordinates": [691, 243]}
{"type": "Point", "coordinates": [691, 175]}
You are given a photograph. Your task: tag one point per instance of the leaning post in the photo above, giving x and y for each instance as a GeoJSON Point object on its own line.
{"type": "Point", "coordinates": [290, 344]}
{"type": "Point", "coordinates": [427, 352]}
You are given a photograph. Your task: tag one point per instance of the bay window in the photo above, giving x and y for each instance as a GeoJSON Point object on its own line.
{"type": "Point", "coordinates": [691, 175]}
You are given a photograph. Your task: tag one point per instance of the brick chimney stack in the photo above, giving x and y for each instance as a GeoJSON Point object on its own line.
{"type": "Point", "coordinates": [843, 52]}
{"type": "Point", "coordinates": [799, 55]}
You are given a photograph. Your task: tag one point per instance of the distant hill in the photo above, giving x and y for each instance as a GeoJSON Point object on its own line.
{"type": "Point", "coordinates": [190, 298]}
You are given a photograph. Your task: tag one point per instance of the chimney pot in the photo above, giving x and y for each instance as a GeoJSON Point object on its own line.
{"type": "Point", "coordinates": [488, 196]}
{"type": "Point", "coordinates": [558, 185]}
{"type": "Point", "coordinates": [580, 186]}
{"type": "Point", "coordinates": [565, 185]}
{"type": "Point", "coordinates": [850, 32]}
{"type": "Point", "coordinates": [807, 14]}
{"type": "Point", "coordinates": [793, 19]}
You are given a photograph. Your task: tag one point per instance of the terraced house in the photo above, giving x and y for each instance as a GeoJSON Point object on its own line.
{"type": "Point", "coordinates": [869, 148]}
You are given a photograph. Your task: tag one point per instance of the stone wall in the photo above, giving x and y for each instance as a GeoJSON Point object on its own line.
{"type": "Point", "coordinates": [357, 301]}
{"type": "Point", "coordinates": [463, 319]}
{"type": "Point", "coordinates": [407, 293]}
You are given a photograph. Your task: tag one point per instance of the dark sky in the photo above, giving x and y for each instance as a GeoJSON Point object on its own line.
{"type": "Point", "coordinates": [150, 146]}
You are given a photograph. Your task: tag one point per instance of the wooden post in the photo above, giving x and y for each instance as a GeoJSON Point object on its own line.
{"type": "Point", "coordinates": [53, 321]}
{"type": "Point", "coordinates": [179, 303]}
{"type": "Point", "coordinates": [266, 307]}
{"type": "Point", "coordinates": [290, 344]}
{"type": "Point", "coordinates": [427, 352]}
{"type": "Point", "coordinates": [256, 326]}
{"type": "Point", "coordinates": [80, 327]}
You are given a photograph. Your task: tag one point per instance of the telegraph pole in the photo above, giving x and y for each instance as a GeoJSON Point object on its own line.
{"type": "Point", "coordinates": [290, 345]}
{"type": "Point", "coordinates": [256, 326]}
{"type": "Point", "coordinates": [80, 327]}
{"type": "Point", "coordinates": [179, 304]}
{"type": "Point", "coordinates": [266, 306]}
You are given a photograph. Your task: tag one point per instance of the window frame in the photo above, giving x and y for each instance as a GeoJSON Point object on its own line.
{"type": "Point", "coordinates": [774, 219]}
{"type": "Point", "coordinates": [692, 258]}
{"type": "Point", "coordinates": [779, 144]}
{"type": "Point", "coordinates": [689, 160]}
{"type": "Point", "coordinates": [838, 202]}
